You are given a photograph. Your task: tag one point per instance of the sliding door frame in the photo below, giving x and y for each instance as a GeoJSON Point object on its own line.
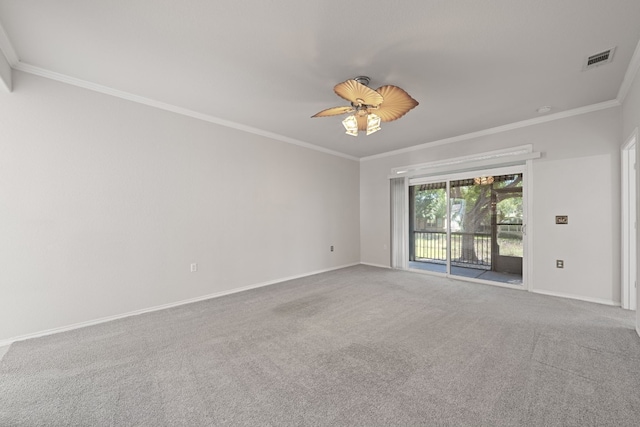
{"type": "Point", "coordinates": [524, 169]}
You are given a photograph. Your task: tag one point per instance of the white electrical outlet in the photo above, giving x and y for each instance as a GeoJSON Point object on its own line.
{"type": "Point", "coordinates": [194, 267]}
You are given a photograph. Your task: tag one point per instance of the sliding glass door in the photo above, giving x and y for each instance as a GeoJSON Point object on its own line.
{"type": "Point", "coordinates": [468, 226]}
{"type": "Point", "coordinates": [428, 226]}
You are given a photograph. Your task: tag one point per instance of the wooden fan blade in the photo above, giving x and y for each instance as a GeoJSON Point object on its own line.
{"type": "Point", "coordinates": [351, 90]}
{"type": "Point", "coordinates": [334, 111]}
{"type": "Point", "coordinates": [396, 103]}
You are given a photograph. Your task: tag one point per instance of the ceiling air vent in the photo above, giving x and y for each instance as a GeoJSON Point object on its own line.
{"type": "Point", "coordinates": [598, 59]}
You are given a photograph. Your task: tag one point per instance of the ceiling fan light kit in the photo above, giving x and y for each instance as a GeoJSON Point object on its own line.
{"type": "Point", "coordinates": [351, 125]}
{"type": "Point", "coordinates": [373, 123]}
{"type": "Point", "coordinates": [369, 107]}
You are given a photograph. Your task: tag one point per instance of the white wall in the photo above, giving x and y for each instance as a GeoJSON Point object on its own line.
{"type": "Point", "coordinates": [104, 203]}
{"type": "Point", "coordinates": [631, 121]}
{"type": "Point", "coordinates": [577, 176]}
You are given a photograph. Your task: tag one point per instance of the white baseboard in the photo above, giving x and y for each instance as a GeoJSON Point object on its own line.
{"type": "Point", "coordinates": [52, 331]}
{"type": "Point", "coordinates": [375, 265]}
{"type": "Point", "coordinates": [577, 297]}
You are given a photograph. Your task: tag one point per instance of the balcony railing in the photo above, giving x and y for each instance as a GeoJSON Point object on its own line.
{"type": "Point", "coordinates": [431, 246]}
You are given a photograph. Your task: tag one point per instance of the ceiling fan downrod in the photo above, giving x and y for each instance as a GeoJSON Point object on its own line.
{"type": "Point", "coordinates": [363, 80]}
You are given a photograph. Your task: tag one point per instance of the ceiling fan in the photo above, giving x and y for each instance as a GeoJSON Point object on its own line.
{"type": "Point", "coordinates": [369, 107]}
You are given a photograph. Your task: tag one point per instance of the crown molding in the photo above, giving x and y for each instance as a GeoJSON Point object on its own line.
{"type": "Point", "coordinates": [499, 129]}
{"type": "Point", "coordinates": [14, 61]}
{"type": "Point", "coordinates": [41, 72]}
{"type": "Point", "coordinates": [27, 68]}
{"type": "Point", "coordinates": [630, 75]}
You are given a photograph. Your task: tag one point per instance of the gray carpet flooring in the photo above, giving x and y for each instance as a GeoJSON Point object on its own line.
{"type": "Point", "coordinates": [361, 346]}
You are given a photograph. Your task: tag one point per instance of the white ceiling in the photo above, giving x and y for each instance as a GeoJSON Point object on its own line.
{"type": "Point", "coordinates": [269, 65]}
